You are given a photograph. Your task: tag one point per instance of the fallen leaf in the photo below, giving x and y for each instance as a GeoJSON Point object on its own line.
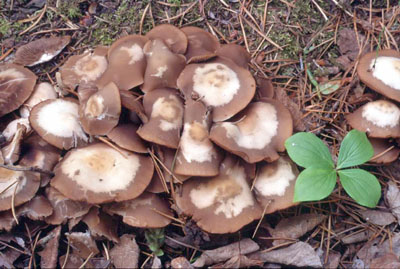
{"type": "Point", "coordinates": [101, 224]}
{"type": "Point", "coordinates": [50, 252]}
{"type": "Point", "coordinates": [333, 259]}
{"type": "Point", "coordinates": [282, 97]}
{"type": "Point", "coordinates": [8, 257]}
{"type": "Point", "coordinates": [389, 260]}
{"type": "Point", "coordinates": [181, 262]}
{"type": "Point", "coordinates": [393, 199]}
{"type": "Point", "coordinates": [377, 217]}
{"type": "Point", "coordinates": [239, 261]}
{"type": "Point", "coordinates": [348, 42]}
{"type": "Point", "coordinates": [83, 244]}
{"type": "Point", "coordinates": [73, 261]}
{"type": "Point", "coordinates": [156, 263]}
{"type": "Point", "coordinates": [357, 236]}
{"type": "Point", "coordinates": [125, 254]}
{"type": "Point", "coordinates": [329, 86]}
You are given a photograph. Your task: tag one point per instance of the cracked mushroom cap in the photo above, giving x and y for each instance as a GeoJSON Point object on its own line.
{"type": "Point", "coordinates": [163, 66]}
{"type": "Point", "coordinates": [125, 136]}
{"type": "Point", "coordinates": [43, 91]}
{"type": "Point", "coordinates": [57, 122]}
{"type": "Point", "coordinates": [221, 204]}
{"type": "Point", "coordinates": [127, 63]}
{"type": "Point", "coordinates": [172, 36]}
{"type": "Point", "coordinates": [201, 44]}
{"type": "Point", "coordinates": [236, 53]}
{"type": "Point", "coordinates": [257, 133]}
{"type": "Point", "coordinates": [16, 85]}
{"type": "Point", "coordinates": [146, 211]}
{"type": "Point", "coordinates": [380, 119]}
{"type": "Point", "coordinates": [220, 84]}
{"type": "Point", "coordinates": [99, 173]}
{"type": "Point", "coordinates": [384, 151]}
{"type": "Point", "coordinates": [99, 112]}
{"type": "Point", "coordinates": [41, 50]}
{"type": "Point", "coordinates": [380, 71]}
{"type": "Point", "coordinates": [274, 184]}
{"type": "Point", "coordinates": [164, 109]}
{"type": "Point", "coordinates": [197, 155]}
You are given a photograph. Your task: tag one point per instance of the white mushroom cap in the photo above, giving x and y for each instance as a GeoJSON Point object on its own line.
{"type": "Point", "coordinates": [387, 70]}
{"type": "Point", "coordinates": [12, 128]}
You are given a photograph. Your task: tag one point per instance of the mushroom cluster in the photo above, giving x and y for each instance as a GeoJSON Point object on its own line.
{"type": "Point", "coordinates": [380, 119]}
{"type": "Point", "coordinates": [172, 111]}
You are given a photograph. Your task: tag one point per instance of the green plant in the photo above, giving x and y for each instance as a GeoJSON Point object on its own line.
{"type": "Point", "coordinates": [155, 239]}
{"type": "Point", "coordinates": [318, 179]}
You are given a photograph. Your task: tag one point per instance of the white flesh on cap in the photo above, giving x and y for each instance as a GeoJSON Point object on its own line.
{"type": "Point", "coordinates": [268, 184]}
{"type": "Point", "coordinates": [60, 118]}
{"type": "Point", "coordinates": [46, 57]}
{"type": "Point", "coordinates": [170, 111]}
{"type": "Point", "coordinates": [381, 113]}
{"type": "Point", "coordinates": [90, 67]}
{"type": "Point", "coordinates": [95, 107]}
{"type": "Point", "coordinates": [12, 128]}
{"type": "Point", "coordinates": [9, 180]}
{"type": "Point", "coordinates": [387, 70]}
{"type": "Point", "coordinates": [100, 169]}
{"type": "Point", "coordinates": [135, 53]}
{"type": "Point", "coordinates": [160, 71]}
{"type": "Point", "coordinates": [230, 192]}
{"type": "Point", "coordinates": [257, 129]}
{"type": "Point", "coordinates": [195, 145]}
{"type": "Point", "coordinates": [43, 91]}
{"type": "Point", "coordinates": [216, 84]}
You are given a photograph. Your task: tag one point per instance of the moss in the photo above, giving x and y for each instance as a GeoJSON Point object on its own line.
{"type": "Point", "coordinates": [5, 27]}
{"type": "Point", "coordinates": [70, 9]}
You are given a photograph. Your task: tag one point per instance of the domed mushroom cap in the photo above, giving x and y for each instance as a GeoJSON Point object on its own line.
{"type": "Point", "coordinates": [142, 211]}
{"type": "Point", "coordinates": [98, 174]}
{"type": "Point", "coordinates": [43, 91]}
{"type": "Point", "coordinates": [57, 122]}
{"type": "Point", "coordinates": [16, 85]}
{"type": "Point", "coordinates": [220, 84]}
{"type": "Point", "coordinates": [381, 72]}
{"type": "Point", "coordinates": [163, 66]}
{"type": "Point", "coordinates": [201, 44]}
{"type": "Point", "coordinates": [100, 111]}
{"type": "Point", "coordinates": [172, 36]}
{"type": "Point", "coordinates": [236, 53]}
{"type": "Point", "coordinates": [384, 151]}
{"type": "Point", "coordinates": [125, 136]}
{"type": "Point", "coordinates": [127, 63]}
{"type": "Point", "coordinates": [41, 50]}
{"type": "Point", "coordinates": [274, 184]}
{"type": "Point", "coordinates": [221, 204]}
{"type": "Point", "coordinates": [379, 119]}
{"type": "Point", "coordinates": [13, 126]}
{"type": "Point", "coordinates": [257, 133]}
{"type": "Point", "coordinates": [164, 109]}
{"type": "Point", "coordinates": [131, 102]}
{"type": "Point", "coordinates": [265, 89]}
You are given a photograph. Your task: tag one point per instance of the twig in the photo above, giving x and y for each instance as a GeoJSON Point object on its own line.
{"type": "Point", "coordinates": [27, 169]}
{"type": "Point", "coordinates": [36, 22]}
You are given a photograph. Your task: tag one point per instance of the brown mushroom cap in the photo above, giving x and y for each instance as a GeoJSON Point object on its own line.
{"type": "Point", "coordinates": [100, 112]}
{"type": "Point", "coordinates": [172, 36]}
{"type": "Point", "coordinates": [98, 174]}
{"type": "Point", "coordinates": [164, 109]}
{"type": "Point", "coordinates": [57, 122]}
{"type": "Point", "coordinates": [380, 71]}
{"type": "Point", "coordinates": [221, 204]}
{"type": "Point", "coordinates": [101, 224]}
{"type": "Point", "coordinates": [125, 136]}
{"type": "Point", "coordinates": [274, 184]}
{"type": "Point", "coordinates": [131, 102]}
{"type": "Point", "coordinates": [16, 85]}
{"type": "Point", "coordinates": [236, 53]}
{"type": "Point", "coordinates": [127, 63]}
{"type": "Point", "coordinates": [265, 89]}
{"type": "Point", "coordinates": [384, 151]}
{"type": "Point", "coordinates": [42, 92]}
{"type": "Point", "coordinates": [201, 44]}
{"type": "Point", "coordinates": [12, 150]}
{"type": "Point", "coordinates": [220, 84]}
{"type": "Point", "coordinates": [14, 126]}
{"type": "Point", "coordinates": [379, 119]}
{"type": "Point", "coordinates": [41, 50]}
{"type": "Point", "coordinates": [257, 133]}
{"type": "Point", "coordinates": [142, 211]}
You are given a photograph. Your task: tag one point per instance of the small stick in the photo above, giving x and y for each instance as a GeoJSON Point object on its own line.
{"type": "Point", "coordinates": [29, 169]}
{"type": "Point", "coordinates": [36, 22]}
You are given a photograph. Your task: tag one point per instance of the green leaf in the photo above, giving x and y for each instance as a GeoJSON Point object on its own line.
{"type": "Point", "coordinates": [306, 149]}
{"type": "Point", "coordinates": [361, 185]}
{"type": "Point", "coordinates": [314, 183]}
{"type": "Point", "coordinates": [329, 87]}
{"type": "Point", "coordinates": [355, 150]}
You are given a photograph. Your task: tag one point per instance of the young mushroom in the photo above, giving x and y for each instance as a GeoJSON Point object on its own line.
{"type": "Point", "coordinates": [125, 136]}
{"type": "Point", "coordinates": [43, 91]}
{"type": "Point", "coordinates": [384, 151]}
{"type": "Point", "coordinates": [172, 36]}
{"type": "Point", "coordinates": [236, 53]}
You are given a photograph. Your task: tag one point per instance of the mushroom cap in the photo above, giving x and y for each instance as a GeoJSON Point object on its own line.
{"type": "Point", "coordinates": [380, 119]}
{"type": "Point", "coordinates": [163, 66]}
{"type": "Point", "coordinates": [172, 36]}
{"type": "Point", "coordinates": [256, 133]}
{"type": "Point", "coordinates": [127, 63]}
{"type": "Point", "coordinates": [125, 136]}
{"type": "Point", "coordinates": [131, 102]}
{"type": "Point", "coordinates": [41, 50]}
{"type": "Point", "coordinates": [142, 211]}
{"type": "Point", "coordinates": [236, 53]}
{"type": "Point", "coordinates": [383, 145]}
{"type": "Point", "coordinates": [99, 113]}
{"type": "Point", "coordinates": [221, 204]}
{"type": "Point", "coordinates": [98, 174]}
{"type": "Point", "coordinates": [14, 126]}
{"type": "Point", "coordinates": [274, 184]}
{"type": "Point", "coordinates": [265, 89]}
{"type": "Point", "coordinates": [220, 84]}
{"type": "Point", "coordinates": [201, 44]}
{"type": "Point", "coordinates": [42, 92]}
{"type": "Point", "coordinates": [16, 85]}
{"type": "Point", "coordinates": [101, 224]}
{"type": "Point", "coordinates": [11, 151]}
{"type": "Point", "coordinates": [380, 71]}
{"type": "Point", "coordinates": [57, 122]}
{"type": "Point", "coordinates": [164, 109]}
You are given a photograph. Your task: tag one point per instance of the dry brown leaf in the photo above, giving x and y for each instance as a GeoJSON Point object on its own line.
{"type": "Point", "coordinates": [101, 224]}
{"type": "Point", "coordinates": [348, 42]}
{"type": "Point", "coordinates": [125, 254]}
{"type": "Point", "coordinates": [156, 263]}
{"type": "Point", "coordinates": [83, 244]}
{"type": "Point", "coordinates": [299, 254]}
{"type": "Point", "coordinates": [393, 199]}
{"type": "Point", "coordinates": [208, 257]}
{"type": "Point", "coordinates": [389, 260]}
{"type": "Point", "coordinates": [377, 217]}
{"type": "Point", "coordinates": [240, 261]}
{"type": "Point", "coordinates": [74, 261]}
{"type": "Point", "coordinates": [297, 116]}
{"type": "Point", "coordinates": [181, 262]}
{"type": "Point", "coordinates": [333, 259]}
{"type": "Point", "coordinates": [8, 257]}
{"type": "Point", "coordinates": [357, 236]}
{"type": "Point", "coordinates": [50, 252]}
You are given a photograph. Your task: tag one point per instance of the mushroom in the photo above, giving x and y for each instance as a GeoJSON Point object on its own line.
{"type": "Point", "coordinates": [220, 84]}
{"type": "Point", "coordinates": [236, 53]}
{"type": "Point", "coordinates": [265, 88]}
{"type": "Point", "coordinates": [16, 85]}
{"type": "Point", "coordinates": [381, 72]}
{"type": "Point", "coordinates": [172, 36]}
{"type": "Point", "coordinates": [164, 110]}
{"type": "Point", "coordinates": [384, 151]}
{"type": "Point", "coordinates": [57, 122]}
{"type": "Point", "coordinates": [12, 151]}
{"type": "Point", "coordinates": [131, 102]}
{"type": "Point", "coordinates": [221, 204]}
{"type": "Point", "coordinates": [13, 127]}
{"type": "Point", "coordinates": [43, 91]}
{"type": "Point", "coordinates": [99, 173]}
{"type": "Point", "coordinates": [125, 136]}
{"type": "Point", "coordinates": [274, 184]}
{"type": "Point", "coordinates": [379, 119]}
{"type": "Point", "coordinates": [41, 50]}
{"type": "Point", "coordinates": [257, 133]}
{"type": "Point", "coordinates": [101, 224]}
